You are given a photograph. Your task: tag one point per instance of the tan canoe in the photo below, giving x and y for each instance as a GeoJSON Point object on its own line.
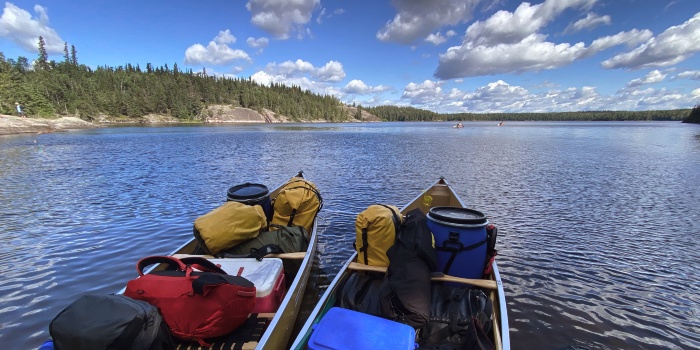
{"type": "Point", "coordinates": [439, 194]}
{"type": "Point", "coordinates": [269, 330]}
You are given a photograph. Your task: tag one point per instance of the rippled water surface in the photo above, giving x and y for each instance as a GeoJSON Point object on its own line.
{"type": "Point", "coordinates": [598, 222]}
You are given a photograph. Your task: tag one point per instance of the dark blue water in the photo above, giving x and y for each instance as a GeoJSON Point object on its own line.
{"type": "Point", "coordinates": [599, 222]}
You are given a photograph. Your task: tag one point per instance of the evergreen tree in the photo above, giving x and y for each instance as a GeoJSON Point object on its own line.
{"type": "Point", "coordinates": [693, 116]}
{"type": "Point", "coordinates": [73, 55]}
{"type": "Point", "coordinates": [42, 62]}
{"type": "Point", "coordinates": [66, 57]}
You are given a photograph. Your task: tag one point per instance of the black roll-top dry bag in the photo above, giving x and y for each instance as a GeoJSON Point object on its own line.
{"type": "Point", "coordinates": [460, 318]}
{"type": "Point", "coordinates": [109, 322]}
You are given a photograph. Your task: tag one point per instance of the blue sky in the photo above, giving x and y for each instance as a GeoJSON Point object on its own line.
{"type": "Point", "coordinates": [442, 55]}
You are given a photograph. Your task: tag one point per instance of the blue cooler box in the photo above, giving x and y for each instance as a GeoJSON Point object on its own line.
{"type": "Point", "coordinates": [463, 231]}
{"type": "Point", "coordinates": [346, 329]}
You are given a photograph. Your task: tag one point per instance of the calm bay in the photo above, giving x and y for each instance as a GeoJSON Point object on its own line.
{"type": "Point", "coordinates": [598, 221]}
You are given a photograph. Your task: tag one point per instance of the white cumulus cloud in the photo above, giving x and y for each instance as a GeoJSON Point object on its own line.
{"type": "Point", "coordinates": [217, 53]}
{"type": "Point", "coordinates": [592, 20]}
{"type": "Point", "coordinates": [423, 93]}
{"type": "Point", "coordinates": [417, 19]}
{"type": "Point", "coordinates": [225, 37]}
{"type": "Point", "coordinates": [629, 38]}
{"type": "Point", "coordinates": [18, 26]}
{"type": "Point", "coordinates": [281, 18]}
{"type": "Point", "coordinates": [654, 76]}
{"type": "Point", "coordinates": [259, 43]}
{"type": "Point", "coordinates": [674, 45]}
{"type": "Point", "coordinates": [511, 42]}
{"type": "Point", "coordinates": [330, 72]}
{"type": "Point", "coordinates": [358, 87]}
{"type": "Point", "coordinates": [690, 74]}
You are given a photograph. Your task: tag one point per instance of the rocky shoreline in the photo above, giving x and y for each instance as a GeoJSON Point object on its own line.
{"type": "Point", "coordinates": [218, 114]}
{"type": "Point", "coordinates": [10, 125]}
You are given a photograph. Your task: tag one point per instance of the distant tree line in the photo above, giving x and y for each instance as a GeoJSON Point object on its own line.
{"type": "Point", "coordinates": [394, 113]}
{"type": "Point", "coordinates": [403, 114]}
{"type": "Point", "coordinates": [49, 88]}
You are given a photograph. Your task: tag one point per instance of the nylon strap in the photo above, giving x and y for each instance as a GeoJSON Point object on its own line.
{"type": "Point", "coordinates": [456, 251]}
{"type": "Point", "coordinates": [365, 245]}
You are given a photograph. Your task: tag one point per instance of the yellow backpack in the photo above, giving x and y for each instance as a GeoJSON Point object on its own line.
{"type": "Point", "coordinates": [296, 204]}
{"type": "Point", "coordinates": [228, 225]}
{"type": "Point", "coordinates": [375, 233]}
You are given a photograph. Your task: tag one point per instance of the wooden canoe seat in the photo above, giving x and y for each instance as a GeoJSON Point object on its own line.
{"type": "Point", "coordinates": [293, 256]}
{"type": "Point", "coordinates": [488, 284]}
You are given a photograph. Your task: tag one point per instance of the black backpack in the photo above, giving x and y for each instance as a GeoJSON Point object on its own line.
{"type": "Point", "coordinates": [460, 318]}
{"type": "Point", "coordinates": [405, 292]}
{"type": "Point", "coordinates": [110, 322]}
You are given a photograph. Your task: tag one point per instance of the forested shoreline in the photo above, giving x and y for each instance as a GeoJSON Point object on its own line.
{"type": "Point", "coordinates": [53, 89]}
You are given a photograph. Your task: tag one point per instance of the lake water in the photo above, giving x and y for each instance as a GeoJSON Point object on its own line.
{"type": "Point", "coordinates": [598, 221]}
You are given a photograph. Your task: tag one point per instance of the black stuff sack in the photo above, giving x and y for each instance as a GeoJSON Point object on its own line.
{"type": "Point", "coordinates": [96, 322]}
{"type": "Point", "coordinates": [405, 292]}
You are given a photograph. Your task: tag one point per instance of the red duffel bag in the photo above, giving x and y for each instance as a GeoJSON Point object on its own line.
{"type": "Point", "coordinates": [195, 304]}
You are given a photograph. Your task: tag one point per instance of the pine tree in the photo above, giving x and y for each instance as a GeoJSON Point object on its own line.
{"type": "Point", "coordinates": [42, 62]}
{"type": "Point", "coordinates": [73, 57]}
{"type": "Point", "coordinates": [66, 57]}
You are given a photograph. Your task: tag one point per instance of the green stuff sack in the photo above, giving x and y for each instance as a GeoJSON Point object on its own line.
{"type": "Point", "coordinates": [228, 225]}
{"type": "Point", "coordinates": [289, 239]}
{"type": "Point", "coordinates": [297, 204]}
{"type": "Point", "coordinates": [375, 233]}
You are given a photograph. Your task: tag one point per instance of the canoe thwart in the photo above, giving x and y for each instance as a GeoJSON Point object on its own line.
{"type": "Point", "coordinates": [489, 284]}
{"type": "Point", "coordinates": [294, 256]}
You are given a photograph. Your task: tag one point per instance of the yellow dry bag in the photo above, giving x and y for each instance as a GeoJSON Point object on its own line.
{"type": "Point", "coordinates": [230, 224]}
{"type": "Point", "coordinates": [297, 204]}
{"type": "Point", "coordinates": [375, 230]}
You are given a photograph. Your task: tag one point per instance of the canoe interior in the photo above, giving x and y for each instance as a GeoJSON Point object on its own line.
{"type": "Point", "coordinates": [439, 194]}
{"type": "Point", "coordinates": [268, 330]}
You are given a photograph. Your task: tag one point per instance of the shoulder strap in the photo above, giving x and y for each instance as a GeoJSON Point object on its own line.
{"type": "Point", "coordinates": [395, 215]}
{"type": "Point", "coordinates": [172, 262]}
{"type": "Point", "coordinates": [202, 264]}
{"type": "Point", "coordinates": [259, 253]}
{"type": "Point", "coordinates": [207, 279]}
